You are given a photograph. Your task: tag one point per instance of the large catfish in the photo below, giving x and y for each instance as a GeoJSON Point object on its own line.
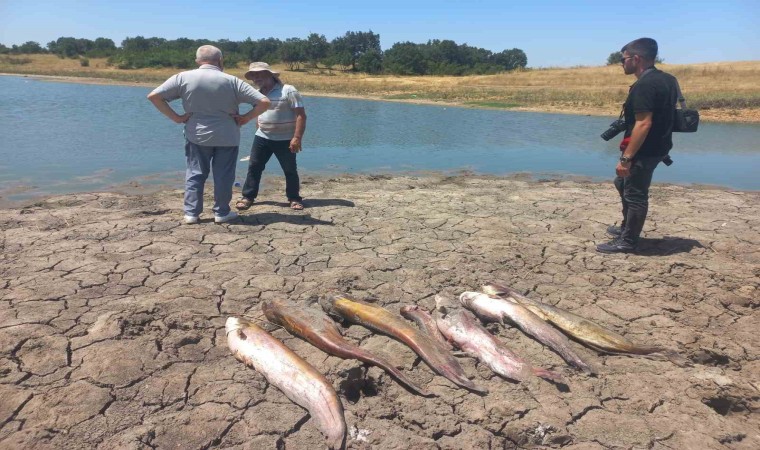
{"type": "Point", "coordinates": [581, 329]}
{"type": "Point", "coordinates": [497, 309]}
{"type": "Point", "coordinates": [296, 378]}
{"type": "Point", "coordinates": [463, 329]}
{"type": "Point", "coordinates": [381, 320]}
{"type": "Point", "coordinates": [315, 327]}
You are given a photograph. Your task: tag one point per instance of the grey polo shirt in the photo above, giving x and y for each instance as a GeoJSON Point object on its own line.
{"type": "Point", "coordinates": [212, 96]}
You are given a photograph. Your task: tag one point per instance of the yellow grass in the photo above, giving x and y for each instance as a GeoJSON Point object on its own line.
{"type": "Point", "coordinates": [723, 91]}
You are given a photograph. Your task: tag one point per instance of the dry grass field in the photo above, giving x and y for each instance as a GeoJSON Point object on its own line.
{"type": "Point", "coordinates": [724, 91]}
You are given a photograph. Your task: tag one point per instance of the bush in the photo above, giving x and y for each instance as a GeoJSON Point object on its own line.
{"type": "Point", "coordinates": [84, 62]}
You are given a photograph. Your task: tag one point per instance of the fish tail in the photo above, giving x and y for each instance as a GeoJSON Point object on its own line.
{"type": "Point", "coordinates": [578, 363]}
{"type": "Point", "coordinates": [547, 374]}
{"type": "Point", "coordinates": [646, 350]}
{"type": "Point", "coordinates": [459, 379]}
{"type": "Point", "coordinates": [677, 359]}
{"type": "Point", "coordinates": [395, 373]}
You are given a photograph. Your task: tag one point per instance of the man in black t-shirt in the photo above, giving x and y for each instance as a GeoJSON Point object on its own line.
{"type": "Point", "coordinates": [649, 111]}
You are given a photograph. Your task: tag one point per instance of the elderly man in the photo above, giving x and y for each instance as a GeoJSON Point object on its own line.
{"type": "Point", "coordinates": [280, 132]}
{"type": "Point", "coordinates": [212, 121]}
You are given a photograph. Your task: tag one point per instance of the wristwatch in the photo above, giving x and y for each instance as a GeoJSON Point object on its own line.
{"type": "Point", "coordinates": [625, 159]}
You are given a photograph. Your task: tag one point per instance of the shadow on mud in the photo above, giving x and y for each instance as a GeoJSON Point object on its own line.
{"type": "Point", "coordinates": [667, 245]}
{"type": "Point", "coordinates": [268, 218]}
{"type": "Point", "coordinates": [313, 203]}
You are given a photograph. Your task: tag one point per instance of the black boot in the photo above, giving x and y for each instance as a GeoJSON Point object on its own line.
{"type": "Point", "coordinates": [616, 245]}
{"type": "Point", "coordinates": [614, 230]}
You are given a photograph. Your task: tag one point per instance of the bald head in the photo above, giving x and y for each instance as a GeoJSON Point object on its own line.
{"type": "Point", "coordinates": [208, 54]}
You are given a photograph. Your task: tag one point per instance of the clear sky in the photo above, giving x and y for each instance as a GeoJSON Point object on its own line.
{"type": "Point", "coordinates": [551, 32]}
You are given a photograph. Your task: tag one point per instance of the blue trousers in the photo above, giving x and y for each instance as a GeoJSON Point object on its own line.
{"type": "Point", "coordinates": [201, 161]}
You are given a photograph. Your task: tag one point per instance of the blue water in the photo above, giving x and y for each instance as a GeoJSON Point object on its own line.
{"type": "Point", "coordinates": [62, 137]}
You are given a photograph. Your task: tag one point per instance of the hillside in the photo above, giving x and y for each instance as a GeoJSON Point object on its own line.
{"type": "Point", "coordinates": [724, 91]}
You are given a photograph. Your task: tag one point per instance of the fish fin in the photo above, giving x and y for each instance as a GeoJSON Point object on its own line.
{"type": "Point", "coordinates": [548, 375]}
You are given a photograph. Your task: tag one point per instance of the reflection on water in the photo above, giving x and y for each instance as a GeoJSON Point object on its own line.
{"type": "Point", "coordinates": [60, 137]}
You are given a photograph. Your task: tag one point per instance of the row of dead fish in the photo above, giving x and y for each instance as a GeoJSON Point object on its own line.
{"type": "Point", "coordinates": [449, 324]}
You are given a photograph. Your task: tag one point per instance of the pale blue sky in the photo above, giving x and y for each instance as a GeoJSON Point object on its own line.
{"type": "Point", "coordinates": [552, 33]}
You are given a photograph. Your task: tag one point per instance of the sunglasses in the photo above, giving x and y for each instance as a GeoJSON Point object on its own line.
{"type": "Point", "coordinates": [622, 60]}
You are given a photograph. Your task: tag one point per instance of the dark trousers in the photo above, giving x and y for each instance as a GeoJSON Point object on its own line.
{"type": "Point", "coordinates": [261, 151]}
{"type": "Point", "coordinates": [634, 193]}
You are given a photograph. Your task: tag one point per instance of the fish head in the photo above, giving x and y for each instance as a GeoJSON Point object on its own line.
{"type": "Point", "coordinates": [466, 298]}
{"type": "Point", "coordinates": [444, 304]}
{"type": "Point", "coordinates": [275, 310]}
{"type": "Point", "coordinates": [497, 288]}
{"type": "Point", "coordinates": [328, 303]}
{"type": "Point", "coordinates": [268, 309]}
{"type": "Point", "coordinates": [408, 310]}
{"type": "Point", "coordinates": [236, 323]}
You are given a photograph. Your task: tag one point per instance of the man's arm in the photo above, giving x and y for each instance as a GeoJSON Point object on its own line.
{"type": "Point", "coordinates": [638, 135]}
{"type": "Point", "coordinates": [163, 106]}
{"type": "Point", "coordinates": [295, 143]}
{"type": "Point", "coordinates": [260, 107]}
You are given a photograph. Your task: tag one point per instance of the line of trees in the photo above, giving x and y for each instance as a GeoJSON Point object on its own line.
{"type": "Point", "coordinates": [356, 51]}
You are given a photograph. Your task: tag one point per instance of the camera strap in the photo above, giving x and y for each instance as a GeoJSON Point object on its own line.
{"type": "Point", "coordinates": [681, 99]}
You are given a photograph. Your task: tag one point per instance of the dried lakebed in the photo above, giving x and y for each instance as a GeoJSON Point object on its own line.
{"type": "Point", "coordinates": [112, 324]}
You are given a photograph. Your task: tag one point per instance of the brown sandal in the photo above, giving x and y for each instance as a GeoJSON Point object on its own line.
{"type": "Point", "coordinates": [295, 204]}
{"type": "Point", "coordinates": [243, 203]}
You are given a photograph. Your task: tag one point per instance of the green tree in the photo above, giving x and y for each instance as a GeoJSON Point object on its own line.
{"type": "Point", "coordinates": [351, 46]}
{"type": "Point", "coordinates": [102, 47]}
{"type": "Point", "coordinates": [370, 62]}
{"type": "Point", "coordinates": [614, 58]}
{"type": "Point", "coordinates": [317, 48]}
{"type": "Point", "coordinates": [141, 44]}
{"type": "Point", "coordinates": [510, 59]}
{"type": "Point", "coordinates": [64, 47]}
{"type": "Point", "coordinates": [404, 58]}
{"type": "Point", "coordinates": [31, 47]}
{"type": "Point", "coordinates": [293, 53]}
{"type": "Point", "coordinates": [4, 50]}
{"type": "Point", "coordinates": [267, 50]}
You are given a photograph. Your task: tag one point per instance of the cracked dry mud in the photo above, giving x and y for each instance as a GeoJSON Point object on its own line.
{"type": "Point", "coordinates": [112, 323]}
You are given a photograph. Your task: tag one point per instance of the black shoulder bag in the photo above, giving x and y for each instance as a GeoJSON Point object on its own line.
{"type": "Point", "coordinates": [685, 120]}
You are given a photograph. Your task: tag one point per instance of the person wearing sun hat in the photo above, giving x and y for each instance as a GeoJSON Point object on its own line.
{"type": "Point", "coordinates": [280, 131]}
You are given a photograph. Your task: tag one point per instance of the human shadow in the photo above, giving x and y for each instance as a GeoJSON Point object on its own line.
{"type": "Point", "coordinates": [312, 203]}
{"type": "Point", "coordinates": [268, 218]}
{"type": "Point", "coordinates": [667, 245]}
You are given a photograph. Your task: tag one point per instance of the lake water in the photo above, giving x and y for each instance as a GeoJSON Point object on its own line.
{"type": "Point", "coordinates": [61, 138]}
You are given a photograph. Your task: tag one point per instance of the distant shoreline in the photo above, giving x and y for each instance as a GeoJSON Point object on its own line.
{"type": "Point", "coordinates": [143, 186]}
{"type": "Point", "coordinates": [720, 116]}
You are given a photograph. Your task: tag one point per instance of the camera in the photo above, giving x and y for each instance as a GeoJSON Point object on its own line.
{"type": "Point", "coordinates": [615, 128]}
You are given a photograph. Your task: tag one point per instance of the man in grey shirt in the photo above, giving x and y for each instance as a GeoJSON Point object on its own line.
{"type": "Point", "coordinates": [212, 121]}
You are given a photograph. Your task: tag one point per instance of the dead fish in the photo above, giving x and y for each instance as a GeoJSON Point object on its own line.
{"type": "Point", "coordinates": [383, 321]}
{"type": "Point", "coordinates": [425, 323]}
{"type": "Point", "coordinates": [315, 327]}
{"type": "Point", "coordinates": [463, 329]}
{"type": "Point", "coordinates": [296, 378]}
{"type": "Point", "coordinates": [579, 328]}
{"type": "Point", "coordinates": [498, 309]}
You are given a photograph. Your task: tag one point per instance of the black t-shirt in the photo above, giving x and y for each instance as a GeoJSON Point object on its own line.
{"type": "Point", "coordinates": [654, 92]}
